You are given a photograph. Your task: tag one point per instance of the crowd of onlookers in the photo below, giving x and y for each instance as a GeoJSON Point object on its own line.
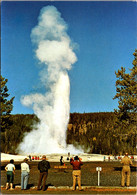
{"type": "Point", "coordinates": [116, 158]}
{"type": "Point", "coordinates": [44, 166]}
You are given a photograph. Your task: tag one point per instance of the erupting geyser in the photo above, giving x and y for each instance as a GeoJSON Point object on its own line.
{"type": "Point", "coordinates": [55, 51]}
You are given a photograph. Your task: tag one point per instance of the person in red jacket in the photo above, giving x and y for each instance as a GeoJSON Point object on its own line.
{"type": "Point", "coordinates": [76, 163]}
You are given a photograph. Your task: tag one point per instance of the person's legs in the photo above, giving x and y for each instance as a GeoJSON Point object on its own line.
{"type": "Point", "coordinates": [11, 186]}
{"type": "Point", "coordinates": [22, 181]}
{"type": "Point", "coordinates": [74, 180]}
{"type": "Point", "coordinates": [8, 179]}
{"type": "Point", "coordinates": [79, 179]}
{"type": "Point", "coordinates": [123, 178]}
{"type": "Point", "coordinates": [128, 178]}
{"type": "Point", "coordinates": [40, 180]}
{"type": "Point", "coordinates": [7, 186]}
{"type": "Point", "coordinates": [26, 178]}
{"type": "Point", "coordinates": [11, 180]}
{"type": "Point", "coordinates": [45, 174]}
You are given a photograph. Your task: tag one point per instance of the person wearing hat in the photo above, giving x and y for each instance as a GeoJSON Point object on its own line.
{"type": "Point", "coordinates": [126, 161]}
{"type": "Point", "coordinates": [10, 168]}
{"type": "Point", "coordinates": [24, 174]}
{"type": "Point", "coordinates": [76, 163]}
{"type": "Point", "coordinates": [43, 167]}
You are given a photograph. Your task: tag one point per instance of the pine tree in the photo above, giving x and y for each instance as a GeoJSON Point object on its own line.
{"type": "Point", "coordinates": [126, 115]}
{"type": "Point", "coordinates": [126, 87]}
{"type": "Point", "coordinates": [6, 122]}
{"type": "Point", "coordinates": [6, 105]}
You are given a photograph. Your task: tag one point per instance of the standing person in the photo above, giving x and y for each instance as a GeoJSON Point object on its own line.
{"type": "Point", "coordinates": [43, 167]}
{"type": "Point", "coordinates": [76, 163]}
{"type": "Point", "coordinates": [126, 161]}
{"type": "Point", "coordinates": [24, 174]}
{"type": "Point", "coordinates": [61, 161]}
{"type": "Point", "coordinates": [10, 168]}
{"type": "Point", "coordinates": [30, 157]}
{"type": "Point", "coordinates": [68, 155]}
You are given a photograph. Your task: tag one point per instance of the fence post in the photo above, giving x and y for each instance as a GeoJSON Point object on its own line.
{"type": "Point", "coordinates": [98, 169]}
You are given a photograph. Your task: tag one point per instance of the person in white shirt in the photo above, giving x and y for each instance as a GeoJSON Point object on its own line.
{"type": "Point", "coordinates": [24, 174]}
{"type": "Point", "coordinates": [10, 168]}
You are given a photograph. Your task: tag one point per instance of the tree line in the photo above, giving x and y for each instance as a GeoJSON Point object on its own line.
{"type": "Point", "coordinates": [93, 132]}
{"type": "Point", "coordinates": [103, 133]}
{"type": "Point", "coordinates": [97, 133]}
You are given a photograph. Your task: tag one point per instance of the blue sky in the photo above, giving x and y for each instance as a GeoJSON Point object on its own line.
{"type": "Point", "coordinates": [105, 33]}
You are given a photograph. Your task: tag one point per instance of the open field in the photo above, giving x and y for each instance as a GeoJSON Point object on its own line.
{"type": "Point", "coordinates": [109, 178]}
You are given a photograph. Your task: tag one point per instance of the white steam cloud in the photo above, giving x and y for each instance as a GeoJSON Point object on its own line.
{"type": "Point", "coordinates": [55, 50]}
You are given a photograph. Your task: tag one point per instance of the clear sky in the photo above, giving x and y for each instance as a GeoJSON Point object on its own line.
{"type": "Point", "coordinates": [105, 33]}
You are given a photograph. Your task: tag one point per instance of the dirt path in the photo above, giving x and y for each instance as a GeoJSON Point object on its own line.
{"type": "Point", "coordinates": [89, 190]}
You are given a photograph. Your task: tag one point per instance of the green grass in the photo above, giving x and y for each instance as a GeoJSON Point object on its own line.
{"type": "Point", "coordinates": [109, 178]}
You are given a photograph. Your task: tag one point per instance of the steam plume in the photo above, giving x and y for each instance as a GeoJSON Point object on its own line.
{"type": "Point", "coordinates": [55, 51]}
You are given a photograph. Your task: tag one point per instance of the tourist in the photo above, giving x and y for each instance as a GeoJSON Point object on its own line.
{"type": "Point", "coordinates": [61, 161]}
{"type": "Point", "coordinates": [126, 161]}
{"type": "Point", "coordinates": [43, 167]}
{"type": "Point", "coordinates": [10, 168]}
{"type": "Point", "coordinates": [115, 157]}
{"type": "Point", "coordinates": [68, 156]}
{"type": "Point", "coordinates": [30, 157]}
{"type": "Point", "coordinates": [76, 163]}
{"type": "Point", "coordinates": [24, 174]}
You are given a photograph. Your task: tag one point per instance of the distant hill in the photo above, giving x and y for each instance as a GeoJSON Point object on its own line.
{"type": "Point", "coordinates": [94, 132]}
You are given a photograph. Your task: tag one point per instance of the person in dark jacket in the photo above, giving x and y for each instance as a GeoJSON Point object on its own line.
{"type": "Point", "coordinates": [76, 163]}
{"type": "Point", "coordinates": [61, 161]}
{"type": "Point", "coordinates": [43, 167]}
